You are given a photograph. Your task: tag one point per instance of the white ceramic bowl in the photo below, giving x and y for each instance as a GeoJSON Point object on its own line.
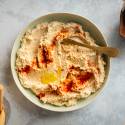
{"type": "Point", "coordinates": [63, 17]}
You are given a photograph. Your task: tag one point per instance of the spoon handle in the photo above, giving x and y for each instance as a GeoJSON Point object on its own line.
{"type": "Point", "coordinates": [111, 52]}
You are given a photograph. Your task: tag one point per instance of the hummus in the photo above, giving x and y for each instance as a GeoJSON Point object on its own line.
{"type": "Point", "coordinates": [59, 74]}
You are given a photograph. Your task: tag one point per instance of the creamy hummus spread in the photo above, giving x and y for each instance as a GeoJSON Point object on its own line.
{"type": "Point", "coordinates": [59, 74]}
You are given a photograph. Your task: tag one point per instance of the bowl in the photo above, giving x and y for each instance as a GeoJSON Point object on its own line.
{"type": "Point", "coordinates": [63, 17]}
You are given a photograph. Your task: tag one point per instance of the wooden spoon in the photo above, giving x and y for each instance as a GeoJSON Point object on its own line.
{"type": "Point", "coordinates": [111, 52]}
{"type": "Point", "coordinates": [2, 113]}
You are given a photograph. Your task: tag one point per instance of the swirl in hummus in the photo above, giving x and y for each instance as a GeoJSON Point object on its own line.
{"type": "Point", "coordinates": [59, 74]}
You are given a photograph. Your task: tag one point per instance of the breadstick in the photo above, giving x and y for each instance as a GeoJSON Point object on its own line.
{"type": "Point", "coordinates": [1, 97]}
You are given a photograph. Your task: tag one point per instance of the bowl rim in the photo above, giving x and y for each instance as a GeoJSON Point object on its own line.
{"type": "Point", "coordinates": [60, 109]}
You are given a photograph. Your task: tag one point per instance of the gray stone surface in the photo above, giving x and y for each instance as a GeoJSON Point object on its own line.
{"type": "Point", "coordinates": [109, 107]}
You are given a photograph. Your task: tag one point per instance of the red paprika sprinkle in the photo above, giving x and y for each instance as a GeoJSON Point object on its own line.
{"type": "Point", "coordinates": [25, 69]}
{"type": "Point", "coordinates": [41, 95]}
{"type": "Point", "coordinates": [84, 77]}
{"type": "Point", "coordinates": [46, 56]}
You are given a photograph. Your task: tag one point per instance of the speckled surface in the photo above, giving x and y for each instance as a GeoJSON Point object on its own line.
{"type": "Point", "coordinates": [109, 107]}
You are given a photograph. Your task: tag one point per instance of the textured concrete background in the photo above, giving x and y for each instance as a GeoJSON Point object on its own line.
{"type": "Point", "coordinates": [109, 107]}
